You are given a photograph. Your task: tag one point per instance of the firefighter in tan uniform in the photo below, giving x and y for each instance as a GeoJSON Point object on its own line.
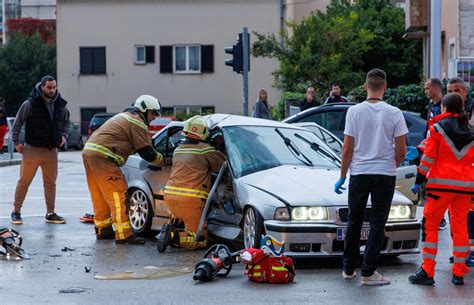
{"type": "Point", "coordinates": [187, 189]}
{"type": "Point", "coordinates": [104, 153]}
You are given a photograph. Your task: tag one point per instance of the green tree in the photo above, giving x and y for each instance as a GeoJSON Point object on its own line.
{"type": "Point", "coordinates": [341, 45]}
{"type": "Point", "coordinates": [23, 61]}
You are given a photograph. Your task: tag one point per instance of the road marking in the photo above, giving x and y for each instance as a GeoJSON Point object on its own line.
{"type": "Point", "coordinates": [42, 188]}
{"type": "Point", "coordinates": [59, 198]}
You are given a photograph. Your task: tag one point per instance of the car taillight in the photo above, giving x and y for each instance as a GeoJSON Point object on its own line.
{"type": "Point", "coordinates": [89, 131]}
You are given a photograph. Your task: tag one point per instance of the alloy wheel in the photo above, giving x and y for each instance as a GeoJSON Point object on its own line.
{"type": "Point", "coordinates": [139, 210]}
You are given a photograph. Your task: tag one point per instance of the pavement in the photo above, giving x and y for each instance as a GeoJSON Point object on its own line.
{"type": "Point", "coordinates": [61, 256]}
{"type": "Point", "coordinates": [7, 159]}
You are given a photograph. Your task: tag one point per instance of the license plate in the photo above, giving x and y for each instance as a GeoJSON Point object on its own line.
{"type": "Point", "coordinates": [341, 233]}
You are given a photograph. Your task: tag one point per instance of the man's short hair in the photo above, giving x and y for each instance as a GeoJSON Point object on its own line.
{"type": "Point", "coordinates": [457, 80]}
{"type": "Point", "coordinates": [436, 82]}
{"type": "Point", "coordinates": [46, 78]}
{"type": "Point", "coordinates": [376, 79]}
{"type": "Point", "coordinates": [335, 85]}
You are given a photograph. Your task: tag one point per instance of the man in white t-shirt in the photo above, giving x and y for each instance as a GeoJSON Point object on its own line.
{"type": "Point", "coordinates": [374, 145]}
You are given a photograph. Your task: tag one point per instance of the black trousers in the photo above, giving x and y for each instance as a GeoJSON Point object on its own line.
{"type": "Point", "coordinates": [381, 189]}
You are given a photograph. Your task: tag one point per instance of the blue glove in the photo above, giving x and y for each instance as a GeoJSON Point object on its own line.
{"type": "Point", "coordinates": [338, 186]}
{"type": "Point", "coordinates": [412, 153]}
{"type": "Point", "coordinates": [415, 188]}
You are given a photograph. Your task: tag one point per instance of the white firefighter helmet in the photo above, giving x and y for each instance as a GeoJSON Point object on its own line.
{"type": "Point", "coordinates": [147, 102]}
{"type": "Point", "coordinates": [196, 128]}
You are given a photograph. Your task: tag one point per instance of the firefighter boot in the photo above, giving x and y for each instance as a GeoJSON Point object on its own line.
{"type": "Point", "coordinates": [105, 233]}
{"type": "Point", "coordinates": [169, 235]}
{"type": "Point", "coordinates": [457, 280]}
{"type": "Point", "coordinates": [421, 278]}
{"type": "Point", "coordinates": [132, 240]}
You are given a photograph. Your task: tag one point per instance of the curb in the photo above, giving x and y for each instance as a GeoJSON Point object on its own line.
{"type": "Point", "coordinates": [9, 162]}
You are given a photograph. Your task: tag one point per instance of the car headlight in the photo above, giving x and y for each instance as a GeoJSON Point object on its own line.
{"type": "Point", "coordinates": [309, 213]}
{"type": "Point", "coordinates": [400, 212]}
{"type": "Point", "coordinates": [282, 214]}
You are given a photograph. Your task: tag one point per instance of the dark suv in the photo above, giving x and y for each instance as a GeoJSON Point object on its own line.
{"type": "Point", "coordinates": [333, 118]}
{"type": "Point", "coordinates": [98, 120]}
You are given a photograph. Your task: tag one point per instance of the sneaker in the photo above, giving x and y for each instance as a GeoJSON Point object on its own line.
{"type": "Point", "coordinates": [132, 240]}
{"type": "Point", "coordinates": [54, 218]}
{"type": "Point", "coordinates": [470, 259]}
{"type": "Point", "coordinates": [443, 224]}
{"type": "Point", "coordinates": [16, 218]}
{"type": "Point", "coordinates": [421, 278]}
{"type": "Point", "coordinates": [375, 279]}
{"type": "Point", "coordinates": [348, 276]}
{"type": "Point", "coordinates": [457, 280]}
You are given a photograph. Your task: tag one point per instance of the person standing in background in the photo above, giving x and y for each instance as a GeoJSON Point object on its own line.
{"type": "Point", "coordinates": [261, 109]}
{"type": "Point", "coordinates": [3, 122]}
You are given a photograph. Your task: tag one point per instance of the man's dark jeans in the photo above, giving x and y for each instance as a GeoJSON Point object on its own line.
{"type": "Point", "coordinates": [381, 189]}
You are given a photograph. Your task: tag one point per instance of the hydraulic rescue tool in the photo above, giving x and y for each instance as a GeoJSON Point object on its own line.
{"type": "Point", "coordinates": [217, 258]}
{"type": "Point", "coordinates": [11, 241]}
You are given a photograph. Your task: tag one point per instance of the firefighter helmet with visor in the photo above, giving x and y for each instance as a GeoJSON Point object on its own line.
{"type": "Point", "coordinates": [196, 128]}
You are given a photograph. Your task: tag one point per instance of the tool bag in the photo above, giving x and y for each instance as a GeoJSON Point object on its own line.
{"type": "Point", "coordinates": [265, 268]}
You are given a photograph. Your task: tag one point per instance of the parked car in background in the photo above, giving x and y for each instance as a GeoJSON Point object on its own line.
{"type": "Point", "coordinates": [98, 120]}
{"type": "Point", "coordinates": [159, 123]}
{"type": "Point", "coordinates": [333, 118]}
{"type": "Point", "coordinates": [74, 141]}
{"type": "Point", "coordinates": [406, 172]}
{"type": "Point", "coordinates": [278, 180]}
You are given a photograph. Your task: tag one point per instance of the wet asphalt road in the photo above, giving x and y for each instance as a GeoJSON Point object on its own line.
{"type": "Point", "coordinates": [51, 270]}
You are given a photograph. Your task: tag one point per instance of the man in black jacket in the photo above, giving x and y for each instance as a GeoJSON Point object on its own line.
{"type": "Point", "coordinates": [47, 127]}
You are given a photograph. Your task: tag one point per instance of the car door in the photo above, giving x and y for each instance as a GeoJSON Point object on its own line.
{"type": "Point", "coordinates": [158, 176]}
{"type": "Point", "coordinates": [331, 119]}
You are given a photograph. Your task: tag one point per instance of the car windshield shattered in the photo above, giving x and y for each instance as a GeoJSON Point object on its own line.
{"type": "Point", "coordinates": [256, 148]}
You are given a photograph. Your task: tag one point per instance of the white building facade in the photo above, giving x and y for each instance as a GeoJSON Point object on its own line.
{"type": "Point", "coordinates": [111, 51]}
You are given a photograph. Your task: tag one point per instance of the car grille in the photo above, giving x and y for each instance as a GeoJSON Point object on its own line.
{"type": "Point", "coordinates": [345, 211]}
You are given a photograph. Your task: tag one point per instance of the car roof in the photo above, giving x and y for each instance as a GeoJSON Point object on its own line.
{"type": "Point", "coordinates": [228, 120]}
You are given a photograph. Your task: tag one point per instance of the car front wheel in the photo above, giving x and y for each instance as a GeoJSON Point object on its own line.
{"type": "Point", "coordinates": [140, 212]}
{"type": "Point", "coordinates": [253, 228]}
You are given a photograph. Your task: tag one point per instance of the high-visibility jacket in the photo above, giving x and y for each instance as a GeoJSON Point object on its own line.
{"type": "Point", "coordinates": [448, 160]}
{"type": "Point", "coordinates": [193, 163]}
{"type": "Point", "coordinates": [119, 137]}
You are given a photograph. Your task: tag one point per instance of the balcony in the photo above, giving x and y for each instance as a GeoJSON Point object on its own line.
{"type": "Point", "coordinates": [462, 67]}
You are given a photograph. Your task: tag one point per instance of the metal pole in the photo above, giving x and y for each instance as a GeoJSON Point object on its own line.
{"type": "Point", "coordinates": [435, 39]}
{"type": "Point", "coordinates": [245, 72]}
{"type": "Point", "coordinates": [4, 16]}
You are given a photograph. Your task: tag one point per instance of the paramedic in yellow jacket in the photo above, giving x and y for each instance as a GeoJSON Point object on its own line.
{"type": "Point", "coordinates": [104, 153]}
{"type": "Point", "coordinates": [187, 189]}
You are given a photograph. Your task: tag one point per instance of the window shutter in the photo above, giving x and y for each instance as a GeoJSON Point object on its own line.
{"type": "Point", "coordinates": [150, 54]}
{"type": "Point", "coordinates": [85, 60]}
{"type": "Point", "coordinates": [207, 59]}
{"type": "Point", "coordinates": [99, 61]}
{"type": "Point", "coordinates": [166, 59]}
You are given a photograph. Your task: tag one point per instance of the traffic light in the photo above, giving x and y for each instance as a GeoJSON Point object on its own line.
{"type": "Point", "coordinates": [237, 51]}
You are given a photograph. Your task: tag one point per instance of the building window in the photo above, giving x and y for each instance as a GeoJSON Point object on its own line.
{"type": "Point", "coordinates": [92, 60]}
{"type": "Point", "coordinates": [187, 59]}
{"type": "Point", "coordinates": [144, 54]}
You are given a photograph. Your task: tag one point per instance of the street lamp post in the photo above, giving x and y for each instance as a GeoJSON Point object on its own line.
{"type": "Point", "coordinates": [435, 39]}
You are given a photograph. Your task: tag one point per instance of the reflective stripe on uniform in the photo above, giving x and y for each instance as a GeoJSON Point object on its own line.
{"type": "Point", "coordinates": [429, 255]}
{"type": "Point", "coordinates": [181, 191]}
{"type": "Point", "coordinates": [451, 182]}
{"type": "Point", "coordinates": [103, 223]}
{"type": "Point", "coordinates": [430, 245]}
{"type": "Point", "coordinates": [461, 248]}
{"type": "Point", "coordinates": [256, 274]}
{"type": "Point", "coordinates": [459, 259]}
{"type": "Point", "coordinates": [118, 216]}
{"type": "Point", "coordinates": [195, 151]}
{"type": "Point", "coordinates": [133, 120]}
{"type": "Point", "coordinates": [458, 154]}
{"type": "Point", "coordinates": [257, 267]}
{"type": "Point", "coordinates": [105, 151]}
{"type": "Point", "coordinates": [426, 159]}
{"type": "Point", "coordinates": [422, 168]}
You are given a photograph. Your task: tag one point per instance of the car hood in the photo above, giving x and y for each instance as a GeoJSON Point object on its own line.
{"type": "Point", "coordinates": [300, 185]}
